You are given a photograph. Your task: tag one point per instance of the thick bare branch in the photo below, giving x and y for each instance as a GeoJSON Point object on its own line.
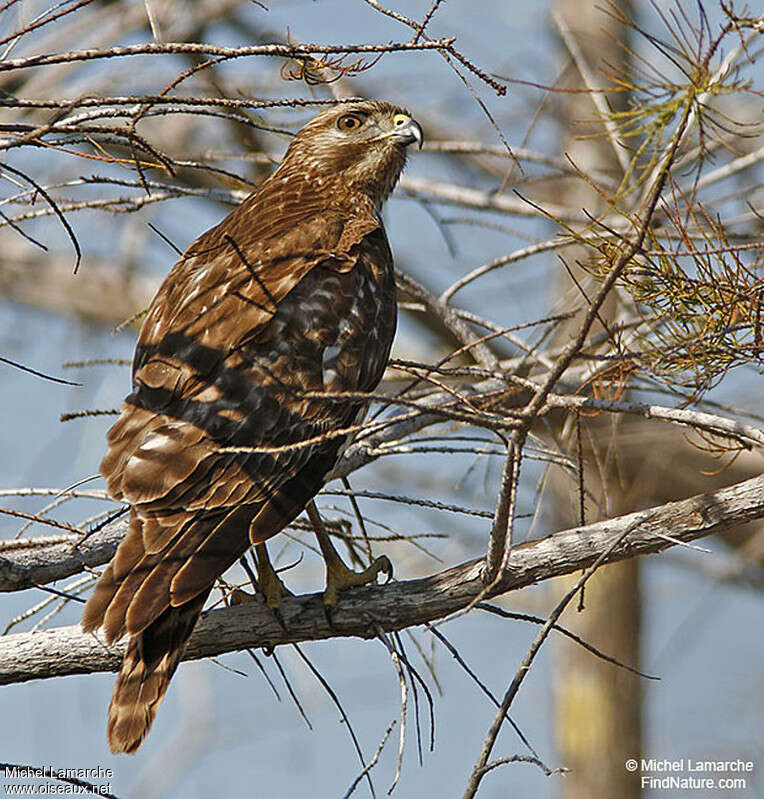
{"type": "Point", "coordinates": [30, 562]}
{"type": "Point", "coordinates": [67, 650]}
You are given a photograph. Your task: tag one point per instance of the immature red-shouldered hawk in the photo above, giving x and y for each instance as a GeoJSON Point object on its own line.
{"type": "Point", "coordinates": [290, 296]}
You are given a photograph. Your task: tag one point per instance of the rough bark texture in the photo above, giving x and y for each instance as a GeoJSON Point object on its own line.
{"type": "Point", "coordinates": [67, 650]}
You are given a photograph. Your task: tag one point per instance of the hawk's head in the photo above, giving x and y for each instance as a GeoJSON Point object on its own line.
{"type": "Point", "coordinates": [358, 146]}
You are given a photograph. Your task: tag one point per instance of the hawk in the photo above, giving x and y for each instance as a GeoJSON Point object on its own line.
{"type": "Point", "coordinates": [232, 425]}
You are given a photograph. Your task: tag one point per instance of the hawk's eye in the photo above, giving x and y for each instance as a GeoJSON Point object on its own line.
{"type": "Point", "coordinates": [349, 122]}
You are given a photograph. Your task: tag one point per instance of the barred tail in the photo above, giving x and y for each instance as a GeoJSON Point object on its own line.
{"type": "Point", "coordinates": [149, 663]}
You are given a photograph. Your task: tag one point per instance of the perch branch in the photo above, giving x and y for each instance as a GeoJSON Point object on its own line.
{"type": "Point", "coordinates": [362, 611]}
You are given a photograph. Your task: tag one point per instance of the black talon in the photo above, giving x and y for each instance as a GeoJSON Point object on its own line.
{"type": "Point", "coordinates": [279, 618]}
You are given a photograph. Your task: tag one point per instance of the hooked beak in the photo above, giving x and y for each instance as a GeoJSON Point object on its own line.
{"type": "Point", "coordinates": [406, 130]}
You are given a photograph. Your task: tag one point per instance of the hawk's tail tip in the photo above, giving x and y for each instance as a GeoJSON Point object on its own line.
{"type": "Point", "coordinates": [136, 698]}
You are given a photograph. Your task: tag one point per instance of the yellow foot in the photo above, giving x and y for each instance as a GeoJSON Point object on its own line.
{"type": "Point", "coordinates": [339, 577]}
{"type": "Point", "coordinates": [268, 584]}
{"type": "Point", "coordinates": [239, 597]}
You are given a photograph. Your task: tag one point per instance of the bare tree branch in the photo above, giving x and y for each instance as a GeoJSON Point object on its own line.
{"type": "Point", "coordinates": [199, 48]}
{"type": "Point", "coordinates": [66, 650]}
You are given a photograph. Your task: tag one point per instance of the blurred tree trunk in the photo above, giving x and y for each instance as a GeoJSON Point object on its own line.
{"type": "Point", "coordinates": [597, 706]}
{"type": "Point", "coordinates": [627, 466]}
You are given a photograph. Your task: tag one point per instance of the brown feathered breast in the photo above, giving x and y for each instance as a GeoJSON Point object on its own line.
{"type": "Point", "coordinates": [292, 293]}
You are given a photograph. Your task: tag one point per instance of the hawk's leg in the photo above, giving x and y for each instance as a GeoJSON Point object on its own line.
{"type": "Point", "coordinates": [268, 583]}
{"type": "Point", "coordinates": [338, 576]}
